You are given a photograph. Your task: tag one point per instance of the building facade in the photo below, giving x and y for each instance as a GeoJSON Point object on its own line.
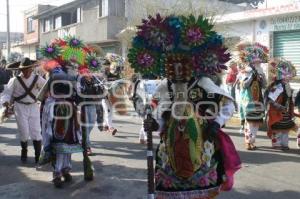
{"type": "Point", "coordinates": [32, 30]}
{"type": "Point", "coordinates": [29, 44]}
{"type": "Point", "coordinates": [274, 24]}
{"type": "Point", "coordinates": [135, 10]}
{"type": "Point", "coordinates": [96, 22]}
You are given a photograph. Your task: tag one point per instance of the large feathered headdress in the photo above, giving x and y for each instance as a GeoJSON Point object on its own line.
{"type": "Point", "coordinates": [70, 51]}
{"type": "Point", "coordinates": [177, 47]}
{"type": "Point", "coordinates": [253, 53]}
{"type": "Point", "coordinates": [281, 69]}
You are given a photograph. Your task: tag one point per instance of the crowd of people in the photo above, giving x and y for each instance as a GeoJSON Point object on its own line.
{"type": "Point", "coordinates": [264, 102]}
{"type": "Point", "coordinates": [56, 104]}
{"type": "Point", "coordinates": [195, 159]}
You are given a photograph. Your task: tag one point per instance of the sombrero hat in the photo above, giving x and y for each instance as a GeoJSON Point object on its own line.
{"type": "Point", "coordinates": [23, 64]}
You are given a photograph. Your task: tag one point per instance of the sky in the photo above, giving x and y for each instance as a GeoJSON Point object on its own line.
{"type": "Point", "coordinates": [16, 12]}
{"type": "Point", "coordinates": [18, 6]}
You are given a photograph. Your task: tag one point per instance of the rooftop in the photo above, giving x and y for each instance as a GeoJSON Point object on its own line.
{"type": "Point", "coordinates": [58, 9]}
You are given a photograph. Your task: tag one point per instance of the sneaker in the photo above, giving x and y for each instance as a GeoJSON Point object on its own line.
{"type": "Point", "coordinates": [58, 183]}
{"type": "Point", "coordinates": [248, 146]}
{"type": "Point", "coordinates": [103, 128]}
{"type": "Point", "coordinates": [67, 177]}
{"type": "Point", "coordinates": [113, 131]}
{"type": "Point", "coordinates": [253, 147]}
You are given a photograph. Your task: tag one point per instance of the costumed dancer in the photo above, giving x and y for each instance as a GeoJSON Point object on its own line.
{"type": "Point", "coordinates": [279, 101]}
{"type": "Point", "coordinates": [21, 91]}
{"type": "Point", "coordinates": [61, 130]}
{"type": "Point", "coordinates": [253, 80]}
{"type": "Point", "coordinates": [194, 159]}
{"type": "Point", "coordinates": [112, 71]}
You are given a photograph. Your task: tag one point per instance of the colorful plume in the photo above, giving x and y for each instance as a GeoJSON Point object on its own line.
{"type": "Point", "coordinates": [184, 45]}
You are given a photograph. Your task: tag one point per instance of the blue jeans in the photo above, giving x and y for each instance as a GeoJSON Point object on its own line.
{"type": "Point", "coordinates": [90, 120]}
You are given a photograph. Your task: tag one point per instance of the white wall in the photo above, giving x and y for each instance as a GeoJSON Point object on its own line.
{"type": "Point", "coordinates": [29, 51]}
{"type": "Point", "coordinates": [272, 3]}
{"type": "Point", "coordinates": [244, 30]}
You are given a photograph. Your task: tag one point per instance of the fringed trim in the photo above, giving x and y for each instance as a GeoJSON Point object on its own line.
{"type": "Point", "coordinates": [197, 194]}
{"type": "Point", "coordinates": [67, 148]}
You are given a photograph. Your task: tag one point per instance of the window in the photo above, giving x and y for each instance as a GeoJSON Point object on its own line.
{"type": "Point", "coordinates": [62, 19]}
{"type": "Point", "coordinates": [30, 27]}
{"type": "Point", "coordinates": [76, 16]}
{"type": "Point", "coordinates": [103, 8]}
{"type": "Point", "coordinates": [47, 25]}
{"type": "Point", "coordinates": [66, 19]}
{"type": "Point", "coordinates": [57, 22]}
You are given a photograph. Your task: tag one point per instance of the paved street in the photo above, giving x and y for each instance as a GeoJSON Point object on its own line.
{"type": "Point", "coordinates": [120, 167]}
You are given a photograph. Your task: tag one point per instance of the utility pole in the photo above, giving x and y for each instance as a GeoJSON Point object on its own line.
{"type": "Point", "coordinates": [8, 30]}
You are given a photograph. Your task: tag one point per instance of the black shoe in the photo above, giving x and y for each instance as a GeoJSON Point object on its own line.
{"type": "Point", "coordinates": [89, 178]}
{"type": "Point", "coordinates": [24, 152]}
{"type": "Point", "coordinates": [67, 177]}
{"type": "Point", "coordinates": [37, 148]}
{"type": "Point", "coordinates": [58, 183]}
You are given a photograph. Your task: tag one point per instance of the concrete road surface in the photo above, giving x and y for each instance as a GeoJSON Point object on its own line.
{"type": "Point", "coordinates": [120, 167]}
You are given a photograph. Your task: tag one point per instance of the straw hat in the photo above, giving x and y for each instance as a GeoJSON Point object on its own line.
{"type": "Point", "coordinates": [23, 64]}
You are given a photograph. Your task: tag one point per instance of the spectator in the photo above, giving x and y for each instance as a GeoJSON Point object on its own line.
{"type": "Point", "coordinates": [231, 78]}
{"type": "Point", "coordinates": [5, 75]}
